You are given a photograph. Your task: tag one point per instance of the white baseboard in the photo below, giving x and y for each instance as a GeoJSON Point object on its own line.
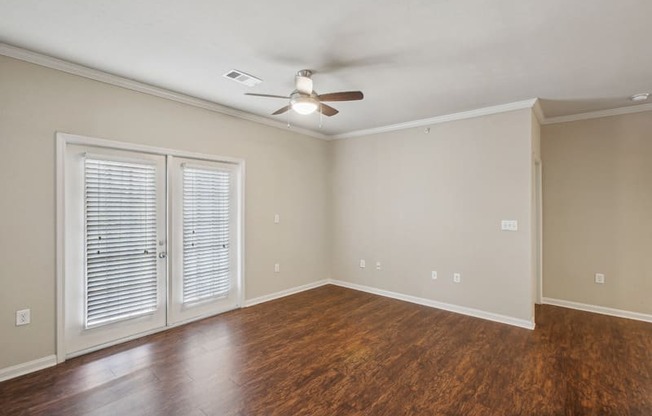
{"type": "Point", "coordinates": [51, 360]}
{"type": "Point", "coordinates": [28, 367]}
{"type": "Point", "coordinates": [603, 310]}
{"type": "Point", "coordinates": [476, 313]}
{"type": "Point", "coordinates": [284, 293]}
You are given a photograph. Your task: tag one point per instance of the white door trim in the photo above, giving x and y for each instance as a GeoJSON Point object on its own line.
{"type": "Point", "coordinates": [65, 139]}
{"type": "Point", "coordinates": [538, 166]}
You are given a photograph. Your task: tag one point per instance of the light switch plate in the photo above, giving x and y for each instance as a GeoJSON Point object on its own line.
{"type": "Point", "coordinates": [599, 278]}
{"type": "Point", "coordinates": [509, 225]}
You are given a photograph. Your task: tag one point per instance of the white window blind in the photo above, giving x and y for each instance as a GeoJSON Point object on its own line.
{"type": "Point", "coordinates": [121, 224]}
{"type": "Point", "coordinates": [206, 233]}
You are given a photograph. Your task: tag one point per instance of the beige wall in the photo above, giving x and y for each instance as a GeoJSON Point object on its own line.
{"type": "Point", "coordinates": [415, 202]}
{"type": "Point", "coordinates": [598, 211]}
{"type": "Point", "coordinates": [419, 202]}
{"type": "Point", "coordinates": [287, 173]}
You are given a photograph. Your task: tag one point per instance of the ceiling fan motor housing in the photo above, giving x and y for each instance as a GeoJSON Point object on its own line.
{"type": "Point", "coordinates": [303, 81]}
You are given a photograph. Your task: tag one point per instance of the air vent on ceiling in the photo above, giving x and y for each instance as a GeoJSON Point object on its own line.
{"type": "Point", "coordinates": [242, 78]}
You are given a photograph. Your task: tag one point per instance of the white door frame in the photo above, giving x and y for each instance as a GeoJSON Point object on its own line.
{"type": "Point", "coordinates": [538, 189]}
{"type": "Point", "coordinates": [80, 338]}
{"type": "Point", "coordinates": [65, 139]}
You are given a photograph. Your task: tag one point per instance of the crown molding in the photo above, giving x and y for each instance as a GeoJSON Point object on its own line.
{"type": "Point", "coordinates": [538, 111]}
{"type": "Point", "coordinates": [496, 109]}
{"type": "Point", "coordinates": [107, 78]}
{"type": "Point", "coordinates": [116, 80]}
{"type": "Point", "coordinates": [638, 108]}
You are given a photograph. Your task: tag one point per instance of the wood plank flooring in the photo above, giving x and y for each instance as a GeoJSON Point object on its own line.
{"type": "Point", "coordinates": [335, 351]}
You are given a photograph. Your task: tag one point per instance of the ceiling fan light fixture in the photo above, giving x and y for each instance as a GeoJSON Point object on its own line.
{"type": "Point", "coordinates": [304, 105]}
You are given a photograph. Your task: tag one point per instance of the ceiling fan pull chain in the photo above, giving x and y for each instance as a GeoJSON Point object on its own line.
{"type": "Point", "coordinates": [321, 116]}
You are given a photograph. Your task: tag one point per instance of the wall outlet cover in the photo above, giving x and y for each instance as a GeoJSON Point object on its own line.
{"type": "Point", "coordinates": [23, 317]}
{"type": "Point", "coordinates": [509, 225]}
{"type": "Point", "coordinates": [599, 278]}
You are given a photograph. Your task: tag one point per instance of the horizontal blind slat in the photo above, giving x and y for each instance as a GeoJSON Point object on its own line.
{"type": "Point", "coordinates": [121, 236]}
{"type": "Point", "coordinates": [207, 214]}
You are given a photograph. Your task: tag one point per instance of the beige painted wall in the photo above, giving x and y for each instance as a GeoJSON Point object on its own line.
{"type": "Point", "coordinates": [598, 211]}
{"type": "Point", "coordinates": [419, 202]}
{"type": "Point", "coordinates": [287, 173]}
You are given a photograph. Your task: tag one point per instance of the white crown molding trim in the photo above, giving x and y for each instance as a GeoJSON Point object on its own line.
{"type": "Point", "coordinates": [107, 78]}
{"type": "Point", "coordinates": [28, 367]}
{"type": "Point", "coordinates": [603, 310]}
{"type": "Point", "coordinates": [632, 109]}
{"type": "Point", "coordinates": [496, 109]}
{"type": "Point", "coordinates": [538, 111]}
{"type": "Point", "coordinates": [476, 313]}
{"type": "Point", "coordinates": [284, 293]}
{"type": "Point", "coordinates": [130, 84]}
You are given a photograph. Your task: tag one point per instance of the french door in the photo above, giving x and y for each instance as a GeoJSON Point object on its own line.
{"type": "Point", "coordinates": [203, 206]}
{"type": "Point", "coordinates": [151, 240]}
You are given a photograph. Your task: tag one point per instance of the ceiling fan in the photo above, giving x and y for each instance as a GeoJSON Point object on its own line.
{"type": "Point", "coordinates": [304, 100]}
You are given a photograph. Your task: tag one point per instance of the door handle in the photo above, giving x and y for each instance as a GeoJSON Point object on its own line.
{"type": "Point", "coordinates": [162, 255]}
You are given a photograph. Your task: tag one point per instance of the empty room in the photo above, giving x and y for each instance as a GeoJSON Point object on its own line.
{"type": "Point", "coordinates": [326, 208]}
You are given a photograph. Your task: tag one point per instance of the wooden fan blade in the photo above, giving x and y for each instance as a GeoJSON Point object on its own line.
{"type": "Point", "coordinates": [266, 95]}
{"type": "Point", "coordinates": [341, 96]}
{"type": "Point", "coordinates": [327, 110]}
{"type": "Point", "coordinates": [281, 110]}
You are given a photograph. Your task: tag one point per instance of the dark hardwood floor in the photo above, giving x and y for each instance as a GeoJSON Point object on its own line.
{"type": "Point", "coordinates": [335, 351]}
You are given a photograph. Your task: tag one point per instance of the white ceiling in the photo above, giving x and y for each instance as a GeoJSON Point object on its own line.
{"type": "Point", "coordinates": [413, 59]}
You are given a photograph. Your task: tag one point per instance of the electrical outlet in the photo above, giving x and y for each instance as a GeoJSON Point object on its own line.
{"type": "Point", "coordinates": [277, 218]}
{"type": "Point", "coordinates": [363, 264]}
{"type": "Point", "coordinates": [277, 268]}
{"type": "Point", "coordinates": [509, 225]}
{"type": "Point", "coordinates": [599, 278]}
{"type": "Point", "coordinates": [23, 317]}
{"type": "Point", "coordinates": [434, 275]}
{"type": "Point", "coordinates": [457, 277]}
{"type": "Point", "coordinates": [377, 265]}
